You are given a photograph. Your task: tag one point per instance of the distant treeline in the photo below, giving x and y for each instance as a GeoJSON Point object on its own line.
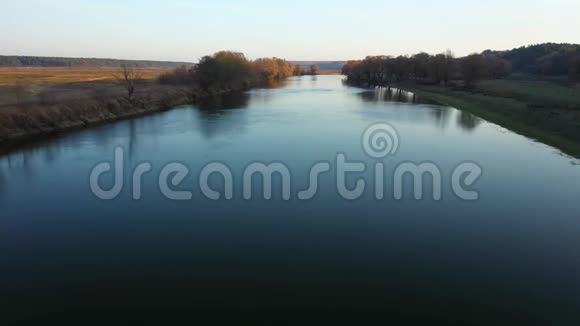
{"type": "Point", "coordinates": [549, 59]}
{"type": "Point", "coordinates": [539, 60]}
{"type": "Point", "coordinates": [322, 65]}
{"type": "Point", "coordinates": [227, 70]}
{"type": "Point", "coordinates": [27, 61]}
{"type": "Point", "coordinates": [423, 67]}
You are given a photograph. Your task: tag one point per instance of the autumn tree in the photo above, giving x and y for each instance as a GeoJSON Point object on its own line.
{"type": "Point", "coordinates": [420, 65]}
{"type": "Point", "coordinates": [473, 69]}
{"type": "Point", "coordinates": [498, 68]}
{"type": "Point", "coordinates": [266, 69]}
{"type": "Point", "coordinates": [298, 70]}
{"type": "Point", "coordinates": [436, 67]}
{"type": "Point", "coordinates": [314, 69]}
{"type": "Point", "coordinates": [442, 67]}
{"type": "Point", "coordinates": [285, 69]}
{"type": "Point", "coordinates": [574, 70]}
{"type": "Point", "coordinates": [225, 70]}
{"type": "Point", "coordinates": [448, 67]}
{"type": "Point", "coordinates": [399, 67]}
{"type": "Point", "coordinates": [351, 69]}
{"type": "Point", "coordinates": [272, 70]}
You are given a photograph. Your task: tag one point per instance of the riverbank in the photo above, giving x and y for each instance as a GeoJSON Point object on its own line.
{"type": "Point", "coordinates": [545, 116]}
{"type": "Point", "coordinates": [36, 103]}
{"type": "Point", "coordinates": [34, 120]}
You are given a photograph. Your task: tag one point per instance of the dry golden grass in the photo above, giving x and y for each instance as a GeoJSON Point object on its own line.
{"type": "Point", "coordinates": [10, 76]}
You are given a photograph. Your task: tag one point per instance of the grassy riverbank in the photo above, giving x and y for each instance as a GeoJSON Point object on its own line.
{"type": "Point", "coordinates": [64, 100]}
{"type": "Point", "coordinates": [545, 111]}
{"type": "Point", "coordinates": [75, 110]}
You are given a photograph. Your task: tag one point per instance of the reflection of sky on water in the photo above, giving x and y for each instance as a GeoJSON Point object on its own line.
{"type": "Point", "coordinates": [526, 216]}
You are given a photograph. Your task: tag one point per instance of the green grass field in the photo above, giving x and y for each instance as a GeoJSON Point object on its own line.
{"type": "Point", "coordinates": [535, 93]}
{"type": "Point", "coordinates": [546, 111]}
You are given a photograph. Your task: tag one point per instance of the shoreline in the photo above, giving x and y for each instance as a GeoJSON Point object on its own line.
{"type": "Point", "coordinates": [35, 123]}
{"type": "Point", "coordinates": [29, 123]}
{"type": "Point", "coordinates": [512, 114]}
{"type": "Point", "coordinates": [22, 140]}
{"type": "Point", "coordinates": [47, 121]}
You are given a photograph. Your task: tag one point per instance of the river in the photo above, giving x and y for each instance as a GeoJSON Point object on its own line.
{"type": "Point", "coordinates": [507, 242]}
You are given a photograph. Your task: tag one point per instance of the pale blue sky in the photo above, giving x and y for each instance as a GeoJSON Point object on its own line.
{"type": "Point", "coordinates": [184, 30]}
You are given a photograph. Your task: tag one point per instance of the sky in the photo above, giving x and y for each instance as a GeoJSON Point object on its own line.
{"type": "Point", "coordinates": [185, 30]}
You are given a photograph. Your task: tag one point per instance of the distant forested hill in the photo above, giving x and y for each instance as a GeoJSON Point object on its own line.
{"type": "Point", "coordinates": [323, 65]}
{"type": "Point", "coordinates": [28, 61]}
{"type": "Point", "coordinates": [548, 59]}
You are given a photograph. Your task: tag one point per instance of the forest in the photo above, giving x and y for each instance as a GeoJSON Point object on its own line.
{"type": "Point", "coordinates": [433, 69]}
{"type": "Point", "coordinates": [549, 59]}
{"type": "Point", "coordinates": [34, 61]}
{"type": "Point", "coordinates": [536, 61]}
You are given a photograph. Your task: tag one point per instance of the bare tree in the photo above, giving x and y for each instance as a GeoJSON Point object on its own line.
{"type": "Point", "coordinates": [128, 77]}
{"type": "Point", "coordinates": [314, 70]}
